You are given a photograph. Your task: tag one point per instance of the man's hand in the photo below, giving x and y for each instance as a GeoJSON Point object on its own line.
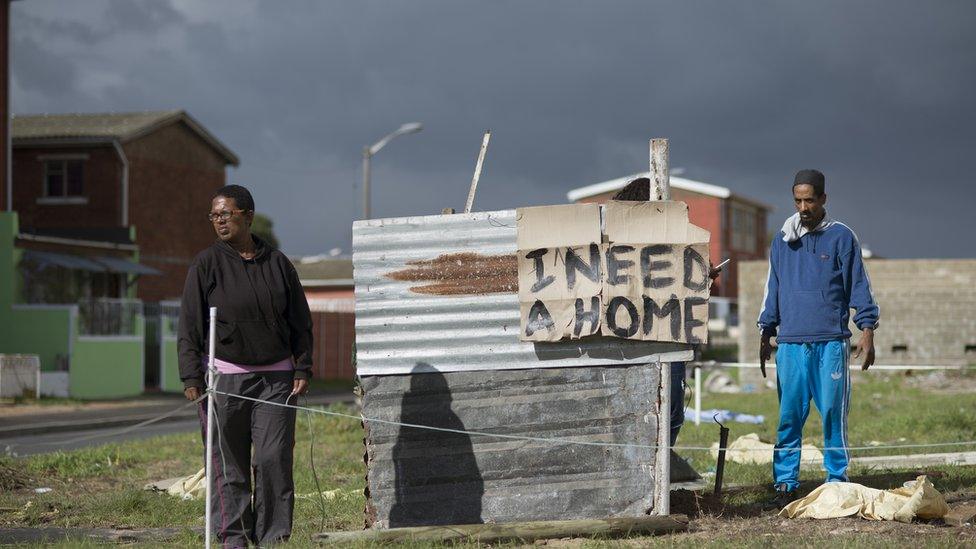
{"type": "Point", "coordinates": [765, 351]}
{"type": "Point", "coordinates": [192, 393]}
{"type": "Point", "coordinates": [866, 346]}
{"type": "Point", "coordinates": [299, 387]}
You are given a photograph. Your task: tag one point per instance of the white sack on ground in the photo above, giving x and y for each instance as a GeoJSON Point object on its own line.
{"type": "Point", "coordinates": [749, 449]}
{"type": "Point", "coordinates": [917, 498]}
{"type": "Point", "coordinates": [191, 487]}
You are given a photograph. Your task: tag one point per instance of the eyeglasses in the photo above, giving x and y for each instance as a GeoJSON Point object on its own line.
{"type": "Point", "coordinates": [224, 215]}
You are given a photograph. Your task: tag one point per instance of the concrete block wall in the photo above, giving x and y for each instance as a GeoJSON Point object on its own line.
{"type": "Point", "coordinates": [928, 310]}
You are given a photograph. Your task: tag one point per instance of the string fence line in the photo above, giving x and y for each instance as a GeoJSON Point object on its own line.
{"type": "Point", "coordinates": [120, 431]}
{"type": "Point", "coordinates": [559, 440]}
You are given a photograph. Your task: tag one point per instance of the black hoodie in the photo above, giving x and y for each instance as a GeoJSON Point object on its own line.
{"type": "Point", "coordinates": [262, 314]}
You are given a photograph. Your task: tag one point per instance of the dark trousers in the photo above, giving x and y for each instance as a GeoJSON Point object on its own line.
{"type": "Point", "coordinates": [264, 516]}
{"type": "Point", "coordinates": [677, 399]}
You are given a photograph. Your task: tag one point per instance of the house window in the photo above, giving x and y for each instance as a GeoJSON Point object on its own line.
{"type": "Point", "coordinates": [743, 222]}
{"type": "Point", "coordinates": [63, 178]}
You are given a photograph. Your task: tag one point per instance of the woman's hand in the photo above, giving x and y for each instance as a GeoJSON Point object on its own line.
{"type": "Point", "coordinates": [191, 393]}
{"type": "Point", "coordinates": [300, 387]}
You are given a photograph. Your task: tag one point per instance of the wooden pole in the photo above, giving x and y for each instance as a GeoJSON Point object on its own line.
{"type": "Point", "coordinates": [660, 175]}
{"type": "Point", "coordinates": [520, 531]}
{"type": "Point", "coordinates": [661, 190]}
{"type": "Point", "coordinates": [477, 171]}
{"type": "Point", "coordinates": [723, 444]}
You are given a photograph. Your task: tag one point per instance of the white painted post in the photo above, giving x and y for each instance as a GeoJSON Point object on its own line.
{"type": "Point", "coordinates": [477, 172]}
{"type": "Point", "coordinates": [661, 190]}
{"type": "Point", "coordinates": [210, 421]}
{"type": "Point", "coordinates": [698, 385]}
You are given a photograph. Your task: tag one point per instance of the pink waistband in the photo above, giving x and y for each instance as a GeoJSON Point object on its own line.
{"type": "Point", "coordinates": [225, 367]}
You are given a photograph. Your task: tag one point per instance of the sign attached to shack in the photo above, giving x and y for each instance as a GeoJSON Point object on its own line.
{"type": "Point", "coordinates": [643, 276]}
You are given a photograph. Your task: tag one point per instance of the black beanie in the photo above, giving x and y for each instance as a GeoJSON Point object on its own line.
{"type": "Point", "coordinates": [814, 178]}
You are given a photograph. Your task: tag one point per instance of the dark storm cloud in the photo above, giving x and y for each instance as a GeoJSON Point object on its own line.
{"type": "Point", "coordinates": [875, 94]}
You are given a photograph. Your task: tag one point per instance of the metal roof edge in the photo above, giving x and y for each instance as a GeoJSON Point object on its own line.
{"type": "Point", "coordinates": [77, 242]}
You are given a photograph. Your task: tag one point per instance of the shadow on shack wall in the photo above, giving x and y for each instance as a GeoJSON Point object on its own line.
{"type": "Point", "coordinates": [436, 480]}
{"type": "Point", "coordinates": [424, 477]}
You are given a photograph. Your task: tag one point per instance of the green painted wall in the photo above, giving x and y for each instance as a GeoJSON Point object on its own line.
{"type": "Point", "coordinates": [102, 368]}
{"type": "Point", "coordinates": [99, 367]}
{"type": "Point", "coordinates": [8, 232]}
{"type": "Point", "coordinates": [43, 331]}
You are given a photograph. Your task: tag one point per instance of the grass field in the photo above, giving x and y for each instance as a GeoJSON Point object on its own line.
{"type": "Point", "coordinates": [103, 486]}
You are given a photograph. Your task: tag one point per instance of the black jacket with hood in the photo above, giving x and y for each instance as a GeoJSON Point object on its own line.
{"type": "Point", "coordinates": [262, 313]}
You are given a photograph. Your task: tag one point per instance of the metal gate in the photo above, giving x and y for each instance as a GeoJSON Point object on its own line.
{"type": "Point", "coordinates": [152, 338]}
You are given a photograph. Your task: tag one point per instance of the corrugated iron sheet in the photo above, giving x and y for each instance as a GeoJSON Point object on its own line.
{"type": "Point", "coordinates": [408, 321]}
{"type": "Point", "coordinates": [423, 477]}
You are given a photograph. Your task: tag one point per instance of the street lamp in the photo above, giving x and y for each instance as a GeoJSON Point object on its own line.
{"type": "Point", "coordinates": [368, 153]}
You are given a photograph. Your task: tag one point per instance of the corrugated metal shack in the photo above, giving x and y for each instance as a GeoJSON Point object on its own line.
{"type": "Point", "coordinates": [437, 320]}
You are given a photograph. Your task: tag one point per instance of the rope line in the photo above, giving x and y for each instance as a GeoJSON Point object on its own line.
{"type": "Point", "coordinates": [120, 431]}
{"type": "Point", "coordinates": [558, 440]}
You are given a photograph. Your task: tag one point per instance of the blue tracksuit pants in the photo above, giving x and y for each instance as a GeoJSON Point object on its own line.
{"type": "Point", "coordinates": [817, 371]}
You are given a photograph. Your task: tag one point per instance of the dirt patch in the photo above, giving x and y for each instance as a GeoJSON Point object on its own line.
{"type": "Point", "coordinates": [462, 274]}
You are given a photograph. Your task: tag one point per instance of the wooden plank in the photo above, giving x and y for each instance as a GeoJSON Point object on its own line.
{"type": "Point", "coordinates": [520, 531]}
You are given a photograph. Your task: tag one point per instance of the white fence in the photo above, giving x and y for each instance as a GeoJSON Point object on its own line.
{"type": "Point", "coordinates": [20, 375]}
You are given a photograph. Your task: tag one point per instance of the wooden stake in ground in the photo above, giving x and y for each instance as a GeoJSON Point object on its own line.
{"type": "Point", "coordinates": [477, 172]}
{"type": "Point", "coordinates": [661, 190]}
{"type": "Point", "coordinates": [522, 531]}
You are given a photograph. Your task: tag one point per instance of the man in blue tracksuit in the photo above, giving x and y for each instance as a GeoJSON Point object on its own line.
{"type": "Point", "coordinates": [816, 277]}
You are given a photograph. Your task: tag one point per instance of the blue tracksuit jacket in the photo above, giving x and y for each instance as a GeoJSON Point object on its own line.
{"type": "Point", "coordinates": [814, 280]}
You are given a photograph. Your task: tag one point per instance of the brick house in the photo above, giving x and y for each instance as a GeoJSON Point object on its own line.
{"type": "Point", "coordinates": [128, 191]}
{"type": "Point", "coordinates": [737, 225]}
{"type": "Point", "coordinates": [330, 290]}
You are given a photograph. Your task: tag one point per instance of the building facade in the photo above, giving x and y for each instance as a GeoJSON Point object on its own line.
{"type": "Point", "coordinates": [108, 212]}
{"type": "Point", "coordinates": [928, 310]}
{"type": "Point", "coordinates": [134, 185]}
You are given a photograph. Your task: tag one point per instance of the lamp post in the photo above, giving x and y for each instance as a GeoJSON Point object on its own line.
{"type": "Point", "coordinates": [368, 153]}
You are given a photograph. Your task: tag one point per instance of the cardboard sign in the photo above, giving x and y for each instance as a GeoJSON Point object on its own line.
{"type": "Point", "coordinates": [560, 271]}
{"type": "Point", "coordinates": [644, 277]}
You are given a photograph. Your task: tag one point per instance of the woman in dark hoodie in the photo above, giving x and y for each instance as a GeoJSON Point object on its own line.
{"type": "Point", "coordinates": [263, 351]}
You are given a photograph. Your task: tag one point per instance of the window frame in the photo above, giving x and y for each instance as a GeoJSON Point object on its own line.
{"type": "Point", "coordinates": [744, 214]}
{"type": "Point", "coordinates": [48, 160]}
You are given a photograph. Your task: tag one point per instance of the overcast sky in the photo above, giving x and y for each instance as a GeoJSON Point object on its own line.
{"type": "Point", "coordinates": [879, 95]}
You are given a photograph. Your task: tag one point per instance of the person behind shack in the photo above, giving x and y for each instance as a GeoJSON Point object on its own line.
{"type": "Point", "coordinates": [263, 351]}
{"type": "Point", "coordinates": [816, 276]}
{"type": "Point", "coordinates": [639, 190]}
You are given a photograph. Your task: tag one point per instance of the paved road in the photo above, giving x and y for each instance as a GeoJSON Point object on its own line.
{"type": "Point", "coordinates": [45, 433]}
{"type": "Point", "coordinates": [51, 442]}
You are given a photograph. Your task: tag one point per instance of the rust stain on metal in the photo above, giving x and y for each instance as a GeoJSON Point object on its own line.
{"type": "Point", "coordinates": [462, 273]}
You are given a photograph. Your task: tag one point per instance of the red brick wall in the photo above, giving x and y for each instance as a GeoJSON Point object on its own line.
{"type": "Point", "coordinates": [102, 173]}
{"type": "Point", "coordinates": [333, 335]}
{"type": "Point", "coordinates": [172, 173]}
